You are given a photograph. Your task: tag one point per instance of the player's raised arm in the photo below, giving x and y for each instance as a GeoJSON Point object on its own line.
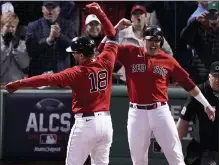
{"type": "Point", "coordinates": [108, 28]}
{"type": "Point", "coordinates": [122, 50]}
{"type": "Point", "coordinates": [110, 47]}
{"type": "Point", "coordinates": [122, 24]}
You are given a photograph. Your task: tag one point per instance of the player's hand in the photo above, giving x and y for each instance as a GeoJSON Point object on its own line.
{"type": "Point", "coordinates": [93, 8]}
{"type": "Point", "coordinates": [13, 86]}
{"type": "Point", "coordinates": [123, 23]}
{"type": "Point", "coordinates": [210, 112]}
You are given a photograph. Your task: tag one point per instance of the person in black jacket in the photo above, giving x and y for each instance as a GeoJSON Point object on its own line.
{"type": "Point", "coordinates": [203, 149]}
{"type": "Point", "coordinates": [202, 35]}
{"type": "Point", "coordinates": [46, 40]}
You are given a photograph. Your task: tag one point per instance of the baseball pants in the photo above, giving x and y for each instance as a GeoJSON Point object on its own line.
{"type": "Point", "coordinates": [90, 135]}
{"type": "Point", "coordinates": [141, 124]}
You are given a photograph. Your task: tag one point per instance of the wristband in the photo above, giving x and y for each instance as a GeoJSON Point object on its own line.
{"type": "Point", "coordinates": [202, 100]}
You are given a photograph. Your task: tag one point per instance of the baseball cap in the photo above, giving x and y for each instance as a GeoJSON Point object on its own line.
{"type": "Point", "coordinates": [213, 5]}
{"type": "Point", "coordinates": [7, 7]}
{"type": "Point", "coordinates": [91, 18]}
{"type": "Point", "coordinates": [138, 7]}
{"type": "Point", "coordinates": [214, 68]}
{"type": "Point", "coordinates": [54, 4]}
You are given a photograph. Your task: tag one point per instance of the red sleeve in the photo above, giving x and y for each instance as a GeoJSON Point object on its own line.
{"type": "Point", "coordinates": [121, 53]}
{"type": "Point", "coordinates": [109, 52]}
{"type": "Point", "coordinates": [178, 73]}
{"type": "Point", "coordinates": [63, 79]}
{"type": "Point", "coordinates": [182, 77]}
{"type": "Point", "coordinates": [108, 28]}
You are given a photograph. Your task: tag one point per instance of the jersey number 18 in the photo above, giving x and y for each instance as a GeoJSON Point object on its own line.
{"type": "Point", "coordinates": [99, 81]}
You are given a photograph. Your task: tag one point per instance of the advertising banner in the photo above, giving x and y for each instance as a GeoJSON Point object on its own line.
{"type": "Point", "coordinates": [36, 125]}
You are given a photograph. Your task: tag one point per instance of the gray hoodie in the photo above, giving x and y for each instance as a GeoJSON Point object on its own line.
{"type": "Point", "coordinates": [12, 61]}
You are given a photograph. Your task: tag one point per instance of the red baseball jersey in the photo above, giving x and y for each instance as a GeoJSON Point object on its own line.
{"type": "Point", "coordinates": [90, 82]}
{"type": "Point", "coordinates": [148, 76]}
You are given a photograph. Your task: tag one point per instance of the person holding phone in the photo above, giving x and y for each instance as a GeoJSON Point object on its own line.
{"type": "Point", "coordinates": [210, 17]}
{"type": "Point", "coordinates": [202, 36]}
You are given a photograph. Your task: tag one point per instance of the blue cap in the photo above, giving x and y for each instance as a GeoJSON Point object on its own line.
{"type": "Point", "coordinates": [54, 4]}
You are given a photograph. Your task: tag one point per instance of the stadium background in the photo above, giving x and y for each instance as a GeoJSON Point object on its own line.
{"type": "Point", "coordinates": [175, 16]}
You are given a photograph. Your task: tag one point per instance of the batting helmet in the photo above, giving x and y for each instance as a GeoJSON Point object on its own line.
{"type": "Point", "coordinates": [84, 45]}
{"type": "Point", "coordinates": [153, 32]}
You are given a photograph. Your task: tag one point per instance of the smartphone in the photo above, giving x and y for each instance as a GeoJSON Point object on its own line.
{"type": "Point", "coordinates": [211, 16]}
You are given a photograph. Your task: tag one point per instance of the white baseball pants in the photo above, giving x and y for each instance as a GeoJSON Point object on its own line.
{"type": "Point", "coordinates": [141, 124]}
{"type": "Point", "coordinates": [90, 135]}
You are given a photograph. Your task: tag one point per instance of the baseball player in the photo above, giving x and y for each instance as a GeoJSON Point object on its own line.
{"type": "Point", "coordinates": [148, 72]}
{"type": "Point", "coordinates": [91, 90]}
{"type": "Point", "coordinates": [203, 148]}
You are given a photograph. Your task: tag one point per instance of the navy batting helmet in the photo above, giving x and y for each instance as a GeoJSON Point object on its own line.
{"type": "Point", "coordinates": [153, 32]}
{"type": "Point", "coordinates": [84, 45]}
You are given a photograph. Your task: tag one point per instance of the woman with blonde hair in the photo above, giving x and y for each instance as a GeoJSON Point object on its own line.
{"type": "Point", "coordinates": [14, 57]}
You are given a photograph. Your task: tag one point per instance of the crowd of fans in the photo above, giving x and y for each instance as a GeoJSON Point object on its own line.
{"type": "Point", "coordinates": [34, 35]}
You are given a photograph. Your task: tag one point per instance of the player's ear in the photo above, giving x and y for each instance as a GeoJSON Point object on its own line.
{"type": "Point", "coordinates": [82, 55]}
